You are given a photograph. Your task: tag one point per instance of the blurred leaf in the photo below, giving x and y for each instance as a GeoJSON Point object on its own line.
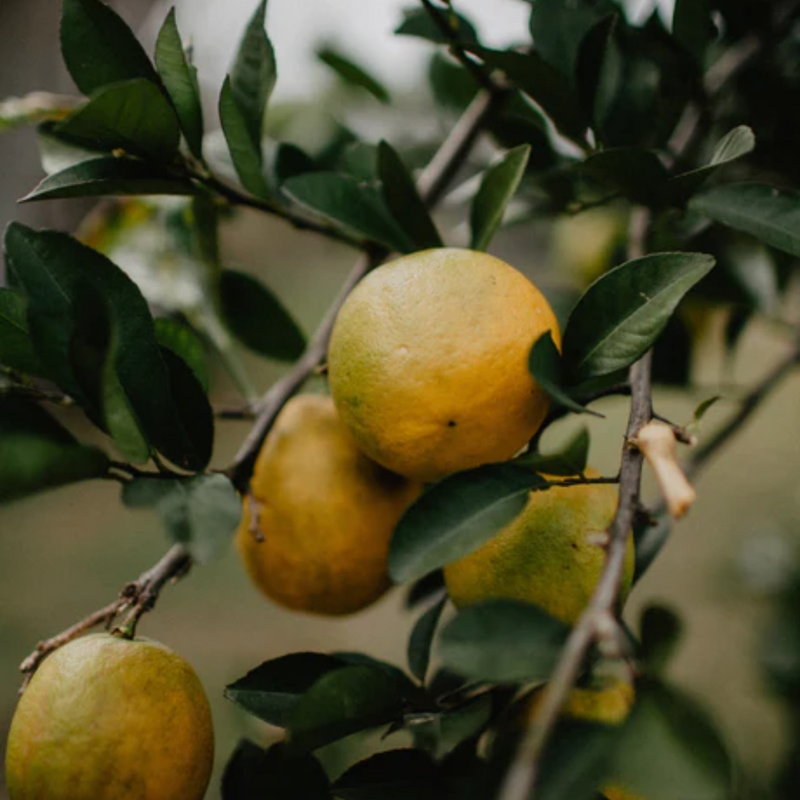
{"type": "Point", "coordinates": [421, 639]}
{"type": "Point", "coordinates": [692, 27]}
{"type": "Point", "coordinates": [638, 174]}
{"type": "Point", "coordinates": [99, 48]}
{"type": "Point", "coordinates": [456, 516]}
{"type": "Point", "coordinates": [186, 344]}
{"type": "Point", "coordinates": [661, 631]}
{"type": "Point", "coordinates": [703, 408]}
{"type": "Point", "coordinates": [393, 775]}
{"type": "Point", "coordinates": [737, 143]}
{"type": "Point", "coordinates": [498, 186]}
{"type": "Point", "coordinates": [16, 349]}
{"type": "Point", "coordinates": [256, 774]}
{"type": "Point", "coordinates": [449, 729]}
{"type": "Point", "coordinates": [290, 160]}
{"type": "Point", "coordinates": [359, 160]}
{"type": "Point", "coordinates": [620, 315]}
{"type": "Point", "coordinates": [424, 589]}
{"type": "Point", "coordinates": [771, 215]}
{"type": "Point", "coordinates": [272, 690]}
{"type": "Point", "coordinates": [672, 354]}
{"type": "Point", "coordinates": [594, 69]}
{"type": "Point", "coordinates": [357, 206]}
{"type": "Point", "coordinates": [453, 87]}
{"type": "Point", "coordinates": [403, 202]}
{"type": "Point", "coordinates": [33, 108]}
{"type": "Point", "coordinates": [258, 319]}
{"type": "Point", "coordinates": [503, 641]}
{"type": "Point", "coordinates": [570, 460]}
{"type": "Point", "coordinates": [133, 116]}
{"type": "Point", "coordinates": [343, 702]}
{"type": "Point", "coordinates": [180, 79]}
{"type": "Point", "coordinates": [352, 74]}
{"type": "Point", "coordinates": [36, 453]}
{"type": "Point", "coordinates": [108, 176]}
{"type": "Point", "coordinates": [418, 22]}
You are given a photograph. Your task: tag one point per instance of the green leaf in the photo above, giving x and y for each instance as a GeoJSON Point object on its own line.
{"type": "Point", "coordinates": [256, 774]}
{"type": "Point", "coordinates": [393, 775]}
{"type": "Point", "coordinates": [547, 368]}
{"type": "Point", "coordinates": [737, 143]}
{"type": "Point", "coordinates": [424, 589]}
{"type": "Point", "coordinates": [119, 418]}
{"type": "Point", "coordinates": [594, 69]}
{"type": "Point", "coordinates": [692, 26]}
{"type": "Point", "coordinates": [621, 314]}
{"type": "Point", "coordinates": [133, 116]}
{"type": "Point", "coordinates": [201, 512]}
{"type": "Point", "coordinates": [357, 206]}
{"type": "Point", "coordinates": [444, 732]}
{"type": "Point", "coordinates": [569, 460]}
{"type": "Point", "coordinates": [703, 408]}
{"type": "Point", "coordinates": [16, 349]}
{"type": "Point", "coordinates": [290, 160]}
{"type": "Point", "coordinates": [185, 344]}
{"type": "Point", "coordinates": [456, 516]}
{"type": "Point", "coordinates": [638, 174]}
{"type": "Point", "coordinates": [496, 190]}
{"type": "Point", "coordinates": [661, 631]}
{"type": "Point", "coordinates": [272, 690]}
{"type": "Point", "coordinates": [36, 453]}
{"type": "Point", "coordinates": [403, 201]}
{"type": "Point", "coordinates": [258, 319]}
{"type": "Point", "coordinates": [343, 702]}
{"type": "Point", "coordinates": [419, 22]}
{"type": "Point", "coordinates": [102, 177]}
{"type": "Point", "coordinates": [421, 639]}
{"type": "Point", "coordinates": [180, 79]}
{"type": "Point", "coordinates": [352, 74]}
{"type": "Point", "coordinates": [503, 641]}
{"type": "Point", "coordinates": [245, 153]}
{"type": "Point", "coordinates": [99, 48]}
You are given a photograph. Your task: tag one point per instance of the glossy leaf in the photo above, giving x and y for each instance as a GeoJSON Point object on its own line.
{"type": "Point", "coordinates": [503, 641]}
{"type": "Point", "coordinates": [186, 344]}
{"type": "Point", "coordinates": [258, 319]}
{"type": "Point", "coordinates": [418, 22]}
{"type": "Point", "coordinates": [456, 516]}
{"type": "Point", "coordinates": [352, 74]}
{"type": "Point", "coordinates": [569, 460]}
{"type": "Point", "coordinates": [421, 639]}
{"type": "Point", "coordinates": [393, 775]}
{"type": "Point", "coordinates": [498, 186]}
{"type": "Point", "coordinates": [99, 48]}
{"type": "Point", "coordinates": [16, 349]}
{"type": "Point", "coordinates": [36, 453]}
{"type": "Point", "coordinates": [180, 80]}
{"type": "Point", "coordinates": [358, 207]}
{"type": "Point", "coordinates": [133, 116]}
{"type": "Point", "coordinates": [102, 177]}
{"type": "Point", "coordinates": [638, 174]}
{"type": "Point", "coordinates": [620, 315]}
{"type": "Point", "coordinates": [271, 691]}
{"type": "Point", "coordinates": [403, 201]}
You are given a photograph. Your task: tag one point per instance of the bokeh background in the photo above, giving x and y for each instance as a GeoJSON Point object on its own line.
{"type": "Point", "coordinates": [68, 552]}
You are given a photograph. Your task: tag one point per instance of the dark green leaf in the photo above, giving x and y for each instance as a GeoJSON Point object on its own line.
{"type": "Point", "coordinates": [290, 160]}
{"type": "Point", "coordinates": [419, 22]}
{"type": "Point", "coordinates": [455, 517]}
{"type": "Point", "coordinates": [101, 177]}
{"type": "Point", "coordinates": [99, 48]}
{"type": "Point", "coordinates": [133, 116]}
{"type": "Point", "coordinates": [503, 641]}
{"type": "Point", "coordinates": [403, 201]}
{"type": "Point", "coordinates": [343, 702]}
{"type": "Point", "coordinates": [358, 207]}
{"type": "Point", "coordinates": [245, 153]}
{"type": "Point", "coordinates": [421, 639]}
{"type": "Point", "coordinates": [546, 366]}
{"type": "Point", "coordinates": [661, 631]}
{"type": "Point", "coordinates": [180, 80]}
{"type": "Point", "coordinates": [621, 314]}
{"type": "Point", "coordinates": [255, 774]}
{"type": "Point", "coordinates": [16, 348]}
{"type": "Point", "coordinates": [496, 190]}
{"type": "Point", "coordinates": [637, 174]}
{"type": "Point", "coordinates": [424, 589]}
{"type": "Point", "coordinates": [444, 732]}
{"type": "Point", "coordinates": [359, 160]}
{"type": "Point", "coordinates": [595, 68]}
{"type": "Point", "coordinates": [692, 27]}
{"type": "Point", "coordinates": [258, 319]}
{"type": "Point", "coordinates": [119, 417]}
{"type": "Point", "coordinates": [394, 775]}
{"type": "Point", "coordinates": [272, 690]}
{"type": "Point", "coordinates": [570, 460]}
{"type": "Point", "coordinates": [352, 74]}
{"type": "Point", "coordinates": [36, 453]}
{"type": "Point", "coordinates": [186, 344]}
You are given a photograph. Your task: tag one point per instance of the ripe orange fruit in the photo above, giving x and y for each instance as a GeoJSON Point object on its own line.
{"type": "Point", "coordinates": [551, 554]}
{"type": "Point", "coordinates": [428, 362]}
{"type": "Point", "coordinates": [326, 514]}
{"type": "Point", "coordinates": [106, 718]}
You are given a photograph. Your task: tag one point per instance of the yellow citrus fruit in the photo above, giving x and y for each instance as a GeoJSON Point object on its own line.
{"type": "Point", "coordinates": [551, 554]}
{"type": "Point", "coordinates": [326, 514]}
{"type": "Point", "coordinates": [428, 362]}
{"type": "Point", "coordinates": [106, 718]}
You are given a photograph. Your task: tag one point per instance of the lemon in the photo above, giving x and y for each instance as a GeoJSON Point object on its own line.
{"type": "Point", "coordinates": [428, 362]}
{"type": "Point", "coordinates": [326, 513]}
{"type": "Point", "coordinates": [106, 718]}
{"type": "Point", "coordinates": [551, 554]}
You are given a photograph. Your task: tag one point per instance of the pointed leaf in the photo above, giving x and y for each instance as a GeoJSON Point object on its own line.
{"type": "Point", "coordinates": [496, 190]}
{"type": "Point", "coordinates": [352, 74]}
{"type": "Point", "coordinates": [620, 315]}
{"type": "Point", "coordinates": [16, 349]}
{"type": "Point", "coordinates": [425, 589]}
{"type": "Point", "coordinates": [456, 516]}
{"type": "Point", "coordinates": [638, 174]}
{"type": "Point", "coordinates": [180, 79]}
{"type": "Point", "coordinates": [186, 344]}
{"type": "Point", "coordinates": [419, 22]}
{"type": "Point", "coordinates": [99, 48]}
{"type": "Point", "coordinates": [290, 160]}
{"type": "Point", "coordinates": [421, 639]}
{"type": "Point", "coordinates": [570, 460]}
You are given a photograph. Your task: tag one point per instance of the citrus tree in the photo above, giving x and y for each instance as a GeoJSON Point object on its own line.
{"type": "Point", "coordinates": [445, 367]}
